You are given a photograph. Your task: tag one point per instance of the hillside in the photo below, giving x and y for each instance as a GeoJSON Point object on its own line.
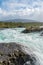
{"type": "Point", "coordinates": [18, 24]}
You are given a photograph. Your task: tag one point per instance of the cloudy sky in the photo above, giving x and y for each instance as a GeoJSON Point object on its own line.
{"type": "Point", "coordinates": [22, 9]}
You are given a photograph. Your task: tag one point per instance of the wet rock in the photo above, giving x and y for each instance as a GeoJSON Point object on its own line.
{"type": "Point", "coordinates": [32, 30]}
{"type": "Point", "coordinates": [25, 31]}
{"type": "Point", "coordinates": [9, 55]}
{"type": "Point", "coordinates": [27, 63]}
{"type": "Point", "coordinates": [20, 26]}
{"type": "Point", "coordinates": [15, 55]}
{"type": "Point", "coordinates": [41, 34]}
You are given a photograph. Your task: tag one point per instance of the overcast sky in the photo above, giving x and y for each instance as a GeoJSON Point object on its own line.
{"type": "Point", "coordinates": [23, 9]}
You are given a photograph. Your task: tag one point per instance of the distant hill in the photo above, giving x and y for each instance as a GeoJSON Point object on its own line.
{"type": "Point", "coordinates": [20, 20]}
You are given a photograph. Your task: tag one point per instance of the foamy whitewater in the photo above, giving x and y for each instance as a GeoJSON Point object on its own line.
{"type": "Point", "coordinates": [33, 40]}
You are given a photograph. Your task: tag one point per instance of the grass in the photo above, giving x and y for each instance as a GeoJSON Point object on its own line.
{"type": "Point", "coordinates": [15, 24]}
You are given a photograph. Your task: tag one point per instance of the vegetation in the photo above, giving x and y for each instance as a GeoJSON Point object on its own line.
{"type": "Point", "coordinates": [17, 24]}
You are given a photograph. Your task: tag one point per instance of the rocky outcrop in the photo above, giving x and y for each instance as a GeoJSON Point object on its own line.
{"type": "Point", "coordinates": [32, 29]}
{"type": "Point", "coordinates": [41, 34]}
{"type": "Point", "coordinates": [20, 26]}
{"type": "Point", "coordinates": [12, 54]}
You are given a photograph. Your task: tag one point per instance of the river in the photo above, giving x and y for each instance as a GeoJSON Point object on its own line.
{"type": "Point", "coordinates": [32, 40]}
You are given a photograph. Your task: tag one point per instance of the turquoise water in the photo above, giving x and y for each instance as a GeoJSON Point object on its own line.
{"type": "Point", "coordinates": [33, 40]}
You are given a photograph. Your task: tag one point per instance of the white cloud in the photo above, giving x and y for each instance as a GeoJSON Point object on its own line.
{"type": "Point", "coordinates": [2, 12]}
{"type": "Point", "coordinates": [22, 9]}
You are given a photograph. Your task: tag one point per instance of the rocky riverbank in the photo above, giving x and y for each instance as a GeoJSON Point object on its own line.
{"type": "Point", "coordinates": [32, 29]}
{"type": "Point", "coordinates": [12, 54]}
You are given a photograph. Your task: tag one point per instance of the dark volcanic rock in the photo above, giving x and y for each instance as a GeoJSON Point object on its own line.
{"type": "Point", "coordinates": [20, 26]}
{"type": "Point", "coordinates": [25, 31]}
{"type": "Point", "coordinates": [12, 54]}
{"type": "Point", "coordinates": [32, 30]}
{"type": "Point", "coordinates": [41, 34]}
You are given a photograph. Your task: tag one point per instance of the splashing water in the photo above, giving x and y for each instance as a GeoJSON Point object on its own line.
{"type": "Point", "coordinates": [32, 40]}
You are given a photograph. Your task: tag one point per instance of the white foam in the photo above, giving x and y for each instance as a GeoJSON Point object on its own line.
{"type": "Point", "coordinates": [32, 40]}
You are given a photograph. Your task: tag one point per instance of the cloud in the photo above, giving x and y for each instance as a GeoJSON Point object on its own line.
{"type": "Point", "coordinates": [22, 9]}
{"type": "Point", "coordinates": [2, 12]}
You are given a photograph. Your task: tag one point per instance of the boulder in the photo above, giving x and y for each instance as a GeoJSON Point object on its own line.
{"type": "Point", "coordinates": [32, 30]}
{"type": "Point", "coordinates": [13, 54]}
{"type": "Point", "coordinates": [41, 34]}
{"type": "Point", "coordinates": [20, 26]}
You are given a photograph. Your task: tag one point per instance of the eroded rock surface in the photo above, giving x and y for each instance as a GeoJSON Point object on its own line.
{"type": "Point", "coordinates": [32, 30]}
{"type": "Point", "coordinates": [12, 54]}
